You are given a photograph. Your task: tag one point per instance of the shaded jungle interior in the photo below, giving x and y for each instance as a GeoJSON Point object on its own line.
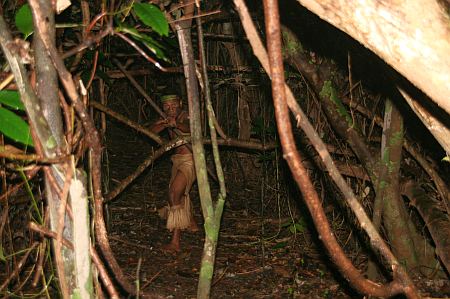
{"type": "Point", "coordinates": [268, 246]}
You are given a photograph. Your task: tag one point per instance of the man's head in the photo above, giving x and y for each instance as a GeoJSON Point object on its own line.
{"type": "Point", "coordinates": [171, 104]}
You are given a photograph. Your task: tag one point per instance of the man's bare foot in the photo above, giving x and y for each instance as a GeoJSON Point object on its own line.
{"type": "Point", "coordinates": [171, 248]}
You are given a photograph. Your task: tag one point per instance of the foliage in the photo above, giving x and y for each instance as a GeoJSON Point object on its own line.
{"type": "Point", "coordinates": [11, 99]}
{"type": "Point", "coordinates": [149, 42]}
{"type": "Point", "coordinates": [24, 21]}
{"type": "Point", "coordinates": [12, 125]}
{"type": "Point", "coordinates": [151, 16]}
{"type": "Point", "coordinates": [295, 226]}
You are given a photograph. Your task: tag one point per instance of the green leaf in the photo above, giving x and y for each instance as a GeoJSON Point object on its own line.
{"type": "Point", "coordinates": [153, 46]}
{"type": "Point", "coordinates": [11, 99]}
{"type": "Point", "coordinates": [151, 16]}
{"type": "Point", "coordinates": [280, 245]}
{"type": "Point", "coordinates": [24, 20]}
{"type": "Point", "coordinates": [148, 41]}
{"type": "Point", "coordinates": [14, 127]}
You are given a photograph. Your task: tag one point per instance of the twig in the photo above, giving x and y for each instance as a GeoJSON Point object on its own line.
{"type": "Point", "coordinates": [68, 121]}
{"type": "Point", "coordinates": [139, 88]}
{"type": "Point", "coordinates": [11, 191]}
{"type": "Point", "coordinates": [6, 81]}
{"type": "Point", "coordinates": [130, 244]}
{"type": "Point", "coordinates": [147, 162]}
{"type": "Point", "coordinates": [197, 16]}
{"type": "Point", "coordinates": [103, 274]}
{"type": "Point", "coordinates": [127, 121]}
{"type": "Point", "coordinates": [39, 264]}
{"type": "Point", "coordinates": [89, 41]}
{"type": "Point", "coordinates": [142, 52]}
{"type": "Point", "coordinates": [32, 157]}
{"type": "Point", "coordinates": [37, 228]}
{"type": "Point", "coordinates": [19, 266]}
{"type": "Point", "coordinates": [151, 279]}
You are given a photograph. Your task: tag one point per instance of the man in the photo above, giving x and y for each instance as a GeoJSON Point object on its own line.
{"type": "Point", "coordinates": [179, 212]}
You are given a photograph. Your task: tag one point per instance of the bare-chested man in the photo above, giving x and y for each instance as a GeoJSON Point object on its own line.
{"type": "Point", "coordinates": [179, 213]}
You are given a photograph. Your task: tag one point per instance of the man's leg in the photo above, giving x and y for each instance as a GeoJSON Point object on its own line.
{"type": "Point", "coordinates": [176, 199]}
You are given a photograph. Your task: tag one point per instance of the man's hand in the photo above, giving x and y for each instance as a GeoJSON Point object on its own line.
{"type": "Point", "coordinates": [171, 122]}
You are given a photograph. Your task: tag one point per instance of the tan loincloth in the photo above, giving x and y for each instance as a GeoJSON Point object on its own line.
{"type": "Point", "coordinates": [180, 216]}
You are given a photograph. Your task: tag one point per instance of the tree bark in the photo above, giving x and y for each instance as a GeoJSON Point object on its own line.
{"type": "Point", "coordinates": [437, 222]}
{"type": "Point", "coordinates": [393, 209]}
{"type": "Point", "coordinates": [413, 36]}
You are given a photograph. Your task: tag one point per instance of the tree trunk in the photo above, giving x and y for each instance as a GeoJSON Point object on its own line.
{"type": "Point", "coordinates": [393, 209]}
{"type": "Point", "coordinates": [211, 229]}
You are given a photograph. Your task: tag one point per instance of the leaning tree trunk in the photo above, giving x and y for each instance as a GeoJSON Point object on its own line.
{"type": "Point", "coordinates": [393, 209]}
{"type": "Point", "coordinates": [212, 224]}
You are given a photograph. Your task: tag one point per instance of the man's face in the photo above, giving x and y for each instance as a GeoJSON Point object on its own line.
{"type": "Point", "coordinates": [172, 108]}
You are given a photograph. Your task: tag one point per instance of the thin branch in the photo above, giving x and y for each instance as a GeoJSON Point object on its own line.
{"type": "Point", "coordinates": [11, 191]}
{"type": "Point", "coordinates": [142, 52]}
{"type": "Point", "coordinates": [107, 282]}
{"type": "Point", "coordinates": [128, 122]}
{"type": "Point", "coordinates": [19, 266]}
{"type": "Point", "coordinates": [139, 88]}
{"type": "Point", "coordinates": [32, 158]}
{"type": "Point", "coordinates": [146, 163]}
{"type": "Point", "coordinates": [88, 42]}
{"type": "Point", "coordinates": [39, 229]}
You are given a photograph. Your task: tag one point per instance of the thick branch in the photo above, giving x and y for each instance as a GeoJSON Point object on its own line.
{"type": "Point", "coordinates": [146, 163]}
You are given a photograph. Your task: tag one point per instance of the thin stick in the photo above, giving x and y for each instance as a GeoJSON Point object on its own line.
{"type": "Point", "coordinates": [139, 88]}
{"type": "Point", "coordinates": [127, 121]}
{"type": "Point", "coordinates": [37, 228]}
{"type": "Point", "coordinates": [19, 266]}
{"type": "Point", "coordinates": [107, 282]}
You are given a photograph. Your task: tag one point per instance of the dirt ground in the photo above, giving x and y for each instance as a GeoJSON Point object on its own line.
{"type": "Point", "coordinates": [256, 257]}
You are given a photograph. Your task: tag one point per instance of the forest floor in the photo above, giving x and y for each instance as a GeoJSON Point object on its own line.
{"type": "Point", "coordinates": [256, 257]}
{"type": "Point", "coordinates": [283, 265]}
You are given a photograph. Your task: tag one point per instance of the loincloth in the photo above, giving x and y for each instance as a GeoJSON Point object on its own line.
{"type": "Point", "coordinates": [185, 164]}
{"type": "Point", "coordinates": [180, 216]}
